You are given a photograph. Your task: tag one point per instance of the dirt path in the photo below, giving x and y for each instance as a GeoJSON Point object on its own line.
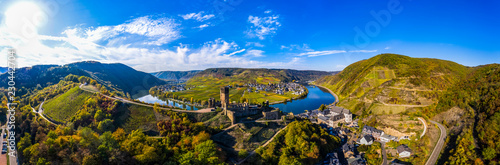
{"type": "Point", "coordinates": [404, 105]}
{"type": "Point", "coordinates": [439, 145]}
{"type": "Point", "coordinates": [425, 126]}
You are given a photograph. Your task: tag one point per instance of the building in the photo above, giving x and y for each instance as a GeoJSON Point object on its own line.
{"type": "Point", "coordinates": [341, 111]}
{"type": "Point", "coordinates": [404, 151]}
{"type": "Point", "coordinates": [365, 139]}
{"type": "Point", "coordinates": [387, 138]}
{"type": "Point", "coordinates": [376, 133]}
{"type": "Point", "coordinates": [331, 159]}
{"type": "Point", "coordinates": [235, 111]}
{"type": "Point", "coordinates": [271, 115]}
{"type": "Point", "coordinates": [349, 150]}
{"type": "Point", "coordinates": [356, 161]}
{"type": "Point", "coordinates": [224, 97]}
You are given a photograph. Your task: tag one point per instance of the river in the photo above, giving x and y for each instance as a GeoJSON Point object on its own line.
{"type": "Point", "coordinates": [313, 100]}
{"type": "Point", "coordinates": [152, 99]}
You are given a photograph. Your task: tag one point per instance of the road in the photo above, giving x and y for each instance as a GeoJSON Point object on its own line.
{"type": "Point", "coordinates": [384, 154]}
{"type": "Point", "coordinates": [425, 126]}
{"type": "Point", "coordinates": [439, 145]}
{"type": "Point", "coordinates": [3, 157]}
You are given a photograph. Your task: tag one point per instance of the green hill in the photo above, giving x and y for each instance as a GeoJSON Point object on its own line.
{"type": "Point", "coordinates": [387, 80]}
{"type": "Point", "coordinates": [64, 106]}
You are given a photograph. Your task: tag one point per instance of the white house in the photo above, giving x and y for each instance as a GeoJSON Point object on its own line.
{"type": "Point", "coordinates": [404, 151]}
{"type": "Point", "coordinates": [387, 138]}
{"type": "Point", "coordinates": [365, 139]}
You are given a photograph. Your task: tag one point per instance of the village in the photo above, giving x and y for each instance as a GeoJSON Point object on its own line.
{"type": "Point", "coordinates": [339, 122]}
{"type": "Point", "coordinates": [279, 88]}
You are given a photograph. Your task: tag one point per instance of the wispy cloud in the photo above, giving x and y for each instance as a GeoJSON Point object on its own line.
{"type": "Point", "coordinates": [321, 53]}
{"type": "Point", "coordinates": [200, 16]}
{"type": "Point", "coordinates": [256, 44]}
{"type": "Point", "coordinates": [203, 26]}
{"type": "Point", "coordinates": [363, 51]}
{"type": "Point", "coordinates": [254, 53]}
{"type": "Point", "coordinates": [304, 47]}
{"type": "Point", "coordinates": [262, 27]}
{"type": "Point", "coordinates": [386, 48]}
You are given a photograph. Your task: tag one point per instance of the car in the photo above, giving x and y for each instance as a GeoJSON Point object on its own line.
{"type": "Point", "coordinates": [4, 150]}
{"type": "Point", "coordinates": [4, 135]}
{"type": "Point", "coordinates": [4, 142]}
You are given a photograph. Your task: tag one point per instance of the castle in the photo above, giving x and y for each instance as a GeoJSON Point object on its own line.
{"type": "Point", "coordinates": [235, 111]}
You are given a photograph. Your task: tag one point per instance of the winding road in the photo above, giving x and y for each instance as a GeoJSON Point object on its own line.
{"type": "Point", "coordinates": [439, 145]}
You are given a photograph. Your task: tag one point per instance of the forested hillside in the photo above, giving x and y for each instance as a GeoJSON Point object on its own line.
{"type": "Point", "coordinates": [479, 94]}
{"type": "Point", "coordinates": [115, 77]}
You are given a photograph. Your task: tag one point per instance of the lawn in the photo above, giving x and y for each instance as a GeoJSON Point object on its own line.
{"type": "Point", "coordinates": [63, 106]}
{"type": "Point", "coordinates": [133, 117]}
{"type": "Point", "coordinates": [378, 108]}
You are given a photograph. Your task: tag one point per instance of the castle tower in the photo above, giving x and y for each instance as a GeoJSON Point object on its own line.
{"type": "Point", "coordinates": [224, 97]}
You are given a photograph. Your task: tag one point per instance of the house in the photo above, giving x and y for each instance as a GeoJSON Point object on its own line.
{"type": "Point", "coordinates": [365, 139]}
{"type": "Point", "coordinates": [403, 151]}
{"type": "Point", "coordinates": [373, 131]}
{"type": "Point", "coordinates": [323, 119]}
{"type": "Point", "coordinates": [341, 111]}
{"type": "Point", "coordinates": [331, 159]}
{"type": "Point", "coordinates": [349, 150]}
{"type": "Point", "coordinates": [356, 161]}
{"type": "Point", "coordinates": [387, 138]}
{"type": "Point", "coordinates": [404, 138]}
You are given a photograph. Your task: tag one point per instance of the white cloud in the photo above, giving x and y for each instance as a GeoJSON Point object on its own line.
{"type": "Point", "coordinates": [304, 47]}
{"type": "Point", "coordinates": [363, 51]}
{"type": "Point", "coordinates": [254, 53]}
{"type": "Point", "coordinates": [268, 11]}
{"type": "Point", "coordinates": [261, 27]}
{"type": "Point", "coordinates": [255, 44]}
{"type": "Point", "coordinates": [321, 53]}
{"type": "Point", "coordinates": [203, 26]}
{"type": "Point", "coordinates": [200, 16]}
{"type": "Point", "coordinates": [131, 43]}
{"type": "Point", "coordinates": [386, 48]}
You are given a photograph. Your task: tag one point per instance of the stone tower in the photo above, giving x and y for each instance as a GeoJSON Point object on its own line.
{"type": "Point", "coordinates": [224, 97]}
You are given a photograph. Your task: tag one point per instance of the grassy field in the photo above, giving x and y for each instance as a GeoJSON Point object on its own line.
{"type": "Point", "coordinates": [62, 107]}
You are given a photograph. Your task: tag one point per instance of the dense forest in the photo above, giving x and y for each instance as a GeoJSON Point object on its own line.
{"type": "Point", "coordinates": [302, 142]}
{"type": "Point", "coordinates": [478, 93]}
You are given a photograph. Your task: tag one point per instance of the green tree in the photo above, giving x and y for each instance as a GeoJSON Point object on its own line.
{"type": "Point", "coordinates": [322, 107]}
{"type": "Point", "coordinates": [106, 125]}
{"type": "Point", "coordinates": [489, 153]}
{"type": "Point", "coordinates": [99, 115]}
{"type": "Point", "coordinates": [243, 153]}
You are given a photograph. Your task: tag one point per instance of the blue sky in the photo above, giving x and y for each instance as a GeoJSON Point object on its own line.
{"type": "Point", "coordinates": [186, 35]}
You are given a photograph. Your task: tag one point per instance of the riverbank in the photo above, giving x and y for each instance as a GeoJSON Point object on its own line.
{"type": "Point", "coordinates": [331, 92]}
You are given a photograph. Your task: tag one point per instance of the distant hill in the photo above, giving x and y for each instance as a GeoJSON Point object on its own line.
{"type": "Point", "coordinates": [176, 75]}
{"type": "Point", "coordinates": [285, 75]}
{"type": "Point", "coordinates": [42, 75]}
{"type": "Point", "coordinates": [116, 77]}
{"type": "Point", "coordinates": [3, 69]}
{"type": "Point", "coordinates": [393, 79]}
{"type": "Point", "coordinates": [119, 76]}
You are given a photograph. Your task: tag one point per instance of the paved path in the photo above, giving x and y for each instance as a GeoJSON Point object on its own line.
{"type": "Point", "coordinates": [425, 126]}
{"type": "Point", "coordinates": [40, 112]}
{"type": "Point", "coordinates": [439, 145]}
{"type": "Point", "coordinates": [384, 154]}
